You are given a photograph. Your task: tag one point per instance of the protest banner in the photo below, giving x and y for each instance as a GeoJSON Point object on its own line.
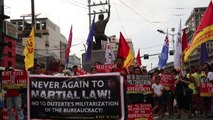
{"type": "Point", "coordinates": [140, 112]}
{"type": "Point", "coordinates": [168, 81]}
{"type": "Point", "coordinates": [97, 96]}
{"type": "Point", "coordinates": [206, 89]}
{"type": "Point", "coordinates": [103, 68]}
{"type": "Point", "coordinates": [138, 84]}
{"type": "Point", "coordinates": [14, 79]}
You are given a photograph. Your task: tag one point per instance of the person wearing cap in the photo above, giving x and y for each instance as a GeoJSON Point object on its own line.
{"type": "Point", "coordinates": [13, 99]}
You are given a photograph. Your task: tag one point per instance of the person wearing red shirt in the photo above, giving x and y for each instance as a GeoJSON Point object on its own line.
{"type": "Point", "coordinates": [13, 99]}
{"type": "Point", "coordinates": [119, 67]}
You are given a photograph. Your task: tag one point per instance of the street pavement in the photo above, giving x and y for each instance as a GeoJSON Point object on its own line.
{"type": "Point", "coordinates": [184, 117]}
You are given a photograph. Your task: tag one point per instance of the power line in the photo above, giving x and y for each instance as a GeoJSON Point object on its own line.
{"type": "Point", "coordinates": [138, 14]}
{"type": "Point", "coordinates": [119, 18]}
{"type": "Point", "coordinates": [77, 5]}
{"type": "Point", "coordinates": [79, 2]}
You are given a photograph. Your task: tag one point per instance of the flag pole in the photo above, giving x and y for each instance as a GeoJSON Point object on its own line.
{"type": "Point", "coordinates": [33, 18]}
{"type": "Point", "coordinates": [33, 12]}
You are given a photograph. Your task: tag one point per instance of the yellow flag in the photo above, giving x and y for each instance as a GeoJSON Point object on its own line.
{"type": "Point", "coordinates": [29, 50]}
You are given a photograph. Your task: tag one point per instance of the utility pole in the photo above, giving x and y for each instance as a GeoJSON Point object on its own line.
{"type": "Point", "coordinates": [2, 18]}
{"type": "Point", "coordinates": [33, 12]}
{"type": "Point", "coordinates": [107, 2]}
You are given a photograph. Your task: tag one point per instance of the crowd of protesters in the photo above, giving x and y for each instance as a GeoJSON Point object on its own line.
{"type": "Point", "coordinates": [184, 97]}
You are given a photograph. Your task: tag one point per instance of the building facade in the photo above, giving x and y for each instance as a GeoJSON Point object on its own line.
{"type": "Point", "coordinates": [192, 23]}
{"type": "Point", "coordinates": [50, 44]}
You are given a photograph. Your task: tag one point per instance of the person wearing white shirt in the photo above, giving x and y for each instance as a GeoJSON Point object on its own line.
{"type": "Point", "coordinates": [158, 92]}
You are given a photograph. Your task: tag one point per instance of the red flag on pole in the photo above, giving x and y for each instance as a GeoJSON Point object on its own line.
{"type": "Point", "coordinates": [138, 59]}
{"type": "Point", "coordinates": [203, 33]}
{"type": "Point", "coordinates": [69, 43]}
{"type": "Point", "coordinates": [125, 52]}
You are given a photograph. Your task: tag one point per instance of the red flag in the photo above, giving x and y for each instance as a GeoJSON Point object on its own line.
{"type": "Point", "coordinates": [138, 58]}
{"type": "Point", "coordinates": [184, 42]}
{"type": "Point", "coordinates": [125, 52]}
{"type": "Point", "coordinates": [184, 47]}
{"type": "Point", "coordinates": [69, 43]}
{"type": "Point", "coordinates": [203, 33]}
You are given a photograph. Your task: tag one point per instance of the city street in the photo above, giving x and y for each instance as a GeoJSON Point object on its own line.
{"type": "Point", "coordinates": [183, 117]}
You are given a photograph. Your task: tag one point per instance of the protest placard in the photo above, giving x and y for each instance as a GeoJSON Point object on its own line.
{"type": "Point", "coordinates": [138, 84]}
{"type": "Point", "coordinates": [140, 112]}
{"type": "Point", "coordinates": [103, 68]}
{"type": "Point", "coordinates": [168, 81]}
{"type": "Point", "coordinates": [206, 89]}
{"type": "Point", "coordinates": [86, 97]}
{"type": "Point", "coordinates": [14, 79]}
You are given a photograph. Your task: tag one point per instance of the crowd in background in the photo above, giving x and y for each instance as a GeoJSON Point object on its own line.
{"type": "Point", "coordinates": [185, 96]}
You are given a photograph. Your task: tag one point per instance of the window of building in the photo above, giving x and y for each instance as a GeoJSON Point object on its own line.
{"type": "Point", "coordinates": [43, 24]}
{"type": "Point", "coordinates": [9, 44]}
{"type": "Point", "coordinates": [9, 54]}
{"type": "Point", "coordinates": [9, 63]}
{"type": "Point", "coordinates": [38, 26]}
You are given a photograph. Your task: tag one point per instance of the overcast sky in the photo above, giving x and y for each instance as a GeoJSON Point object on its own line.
{"type": "Point", "coordinates": [136, 19]}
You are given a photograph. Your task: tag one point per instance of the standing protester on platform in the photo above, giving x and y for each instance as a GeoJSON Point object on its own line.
{"type": "Point", "coordinates": [183, 95]}
{"type": "Point", "coordinates": [99, 29]}
{"type": "Point", "coordinates": [157, 96]}
{"type": "Point", "coordinates": [13, 99]}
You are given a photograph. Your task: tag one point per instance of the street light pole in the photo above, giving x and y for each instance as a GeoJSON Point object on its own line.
{"type": "Point", "coordinates": [173, 35]}
{"type": "Point", "coordinates": [173, 40]}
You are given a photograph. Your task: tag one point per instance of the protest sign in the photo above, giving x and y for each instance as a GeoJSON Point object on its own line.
{"type": "Point", "coordinates": [103, 68]}
{"type": "Point", "coordinates": [97, 96]}
{"type": "Point", "coordinates": [14, 79]}
{"type": "Point", "coordinates": [138, 84]}
{"type": "Point", "coordinates": [206, 89]}
{"type": "Point", "coordinates": [168, 82]}
{"type": "Point", "coordinates": [140, 112]}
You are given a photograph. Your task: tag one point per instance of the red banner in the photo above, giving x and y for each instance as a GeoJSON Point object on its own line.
{"type": "Point", "coordinates": [206, 89]}
{"type": "Point", "coordinates": [145, 89]}
{"type": "Point", "coordinates": [168, 81]}
{"type": "Point", "coordinates": [80, 72]}
{"type": "Point", "coordinates": [139, 84]}
{"type": "Point", "coordinates": [140, 112]}
{"type": "Point", "coordinates": [103, 68]}
{"type": "Point", "coordinates": [14, 79]}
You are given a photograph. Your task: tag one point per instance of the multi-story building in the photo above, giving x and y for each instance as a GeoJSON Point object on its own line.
{"type": "Point", "coordinates": [9, 49]}
{"type": "Point", "coordinates": [192, 23]}
{"type": "Point", "coordinates": [50, 44]}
